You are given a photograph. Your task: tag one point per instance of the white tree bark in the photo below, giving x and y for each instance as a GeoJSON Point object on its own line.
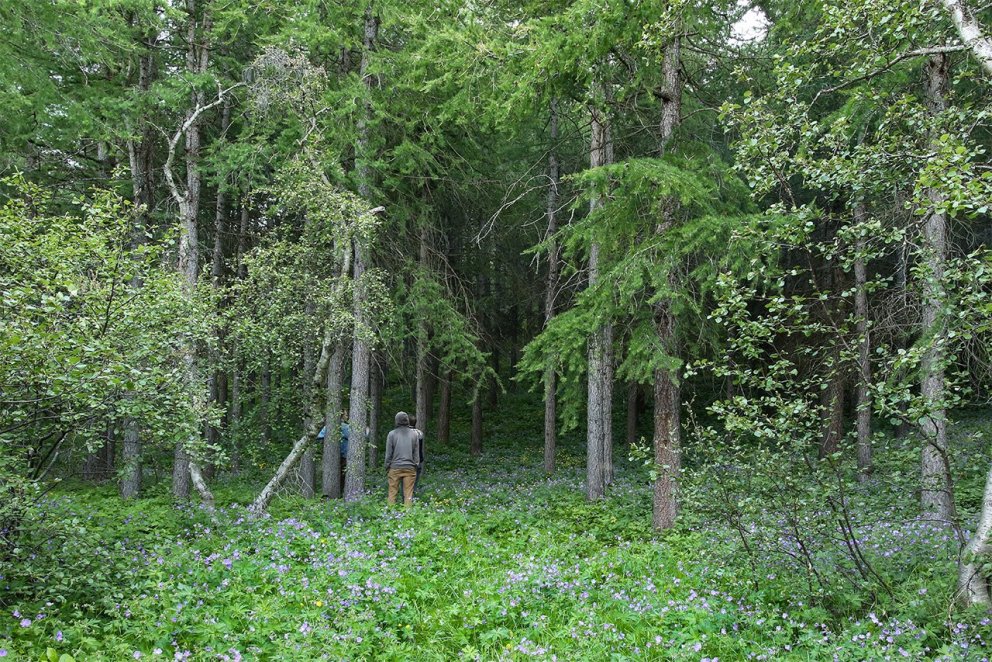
{"type": "Point", "coordinates": [973, 586]}
{"type": "Point", "coordinates": [264, 498]}
{"type": "Point", "coordinates": [970, 32]}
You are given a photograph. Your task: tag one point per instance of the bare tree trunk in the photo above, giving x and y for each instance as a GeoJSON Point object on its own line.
{"type": "Point", "coordinates": [307, 467]}
{"type": "Point", "coordinates": [354, 484]}
{"type": "Point", "coordinates": [234, 415]}
{"type": "Point", "coordinates": [493, 384]}
{"type": "Point", "coordinates": [667, 391]}
{"type": "Point", "coordinates": [970, 32]}
{"type": "Point", "coordinates": [973, 584]}
{"type": "Point", "coordinates": [444, 410]}
{"type": "Point", "coordinates": [423, 349]}
{"type": "Point", "coordinates": [242, 268]}
{"type": "Point", "coordinates": [633, 405]}
{"type": "Point", "coordinates": [264, 498]}
{"type": "Point", "coordinates": [331, 486]}
{"type": "Point", "coordinates": [667, 450]}
{"type": "Point", "coordinates": [141, 159]}
{"type": "Point", "coordinates": [129, 486]}
{"type": "Point", "coordinates": [197, 56]}
{"type": "Point", "coordinates": [265, 400]}
{"type": "Point", "coordinates": [863, 394]}
{"type": "Point", "coordinates": [551, 293]}
{"type": "Point", "coordinates": [215, 377]}
{"type": "Point", "coordinates": [937, 496]}
{"type": "Point", "coordinates": [600, 356]}
{"type": "Point", "coordinates": [476, 444]}
{"type": "Point", "coordinates": [377, 368]}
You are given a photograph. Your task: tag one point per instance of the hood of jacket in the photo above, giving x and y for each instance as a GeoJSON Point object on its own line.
{"type": "Point", "coordinates": [402, 418]}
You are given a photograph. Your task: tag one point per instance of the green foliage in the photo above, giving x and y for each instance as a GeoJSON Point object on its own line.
{"type": "Point", "coordinates": [92, 325]}
{"type": "Point", "coordinates": [517, 565]}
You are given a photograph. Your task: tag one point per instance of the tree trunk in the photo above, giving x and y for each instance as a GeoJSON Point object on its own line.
{"type": "Point", "coordinates": [444, 410]}
{"type": "Point", "coordinates": [215, 377]}
{"type": "Point", "coordinates": [377, 368]}
{"type": "Point", "coordinates": [600, 355]}
{"type": "Point", "coordinates": [141, 159]}
{"type": "Point", "coordinates": [973, 585]}
{"type": "Point", "coordinates": [129, 486]}
{"type": "Point", "coordinates": [197, 55]}
{"type": "Point", "coordinates": [937, 496]}
{"type": "Point", "coordinates": [551, 294]}
{"type": "Point", "coordinates": [863, 393]}
{"type": "Point", "coordinates": [476, 444]}
{"type": "Point", "coordinates": [264, 498]}
{"type": "Point", "coordinates": [331, 486]}
{"type": "Point", "coordinates": [493, 388]}
{"type": "Point", "coordinates": [307, 467]}
{"type": "Point", "coordinates": [667, 390]}
{"type": "Point", "coordinates": [970, 32]}
{"type": "Point", "coordinates": [242, 268]}
{"type": "Point", "coordinates": [234, 415]}
{"type": "Point", "coordinates": [633, 404]}
{"type": "Point", "coordinates": [354, 484]}
{"type": "Point", "coordinates": [667, 450]}
{"type": "Point", "coordinates": [423, 350]}
{"type": "Point", "coordinates": [265, 400]}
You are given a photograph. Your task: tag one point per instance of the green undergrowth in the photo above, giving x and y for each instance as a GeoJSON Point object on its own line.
{"type": "Point", "coordinates": [496, 561]}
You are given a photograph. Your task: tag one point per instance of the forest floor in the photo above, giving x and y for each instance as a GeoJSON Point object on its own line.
{"type": "Point", "coordinates": [496, 561]}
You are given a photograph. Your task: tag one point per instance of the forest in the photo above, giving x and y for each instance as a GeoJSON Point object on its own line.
{"type": "Point", "coordinates": [689, 305]}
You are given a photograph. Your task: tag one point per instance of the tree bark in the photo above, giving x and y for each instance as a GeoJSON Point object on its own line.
{"type": "Point", "coordinates": [444, 410]}
{"type": "Point", "coordinates": [129, 486]}
{"type": "Point", "coordinates": [331, 486]}
{"type": "Point", "coordinates": [423, 349]}
{"type": "Point", "coordinates": [600, 353]}
{"type": "Point", "coordinates": [973, 585]}
{"type": "Point", "coordinates": [188, 200]}
{"type": "Point", "coordinates": [476, 444]}
{"type": "Point", "coordinates": [667, 431]}
{"type": "Point", "coordinates": [354, 484]}
{"type": "Point", "coordinates": [667, 450]}
{"type": "Point", "coordinates": [215, 377]}
{"type": "Point", "coordinates": [863, 393]}
{"type": "Point", "coordinates": [937, 495]}
{"type": "Point", "coordinates": [264, 401]}
{"type": "Point", "coordinates": [264, 498]}
{"type": "Point", "coordinates": [970, 32]}
{"type": "Point", "coordinates": [307, 467]}
{"type": "Point", "coordinates": [551, 294]}
{"type": "Point", "coordinates": [377, 368]}
{"type": "Point", "coordinates": [141, 160]}
{"type": "Point", "coordinates": [633, 409]}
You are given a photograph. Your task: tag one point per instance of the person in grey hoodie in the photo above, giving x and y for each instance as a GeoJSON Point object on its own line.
{"type": "Point", "coordinates": [402, 459]}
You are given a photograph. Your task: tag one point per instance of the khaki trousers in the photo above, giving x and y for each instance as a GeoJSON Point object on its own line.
{"type": "Point", "coordinates": [409, 477]}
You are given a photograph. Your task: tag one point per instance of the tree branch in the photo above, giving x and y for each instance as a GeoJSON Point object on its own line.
{"type": "Point", "coordinates": [183, 128]}
{"type": "Point", "coordinates": [970, 32]}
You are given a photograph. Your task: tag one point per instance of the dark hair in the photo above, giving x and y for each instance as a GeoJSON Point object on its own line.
{"type": "Point", "coordinates": [413, 420]}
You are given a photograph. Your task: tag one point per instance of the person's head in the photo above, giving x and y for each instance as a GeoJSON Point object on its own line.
{"type": "Point", "coordinates": [402, 419]}
{"type": "Point", "coordinates": [413, 420]}
{"type": "Point", "coordinates": [344, 415]}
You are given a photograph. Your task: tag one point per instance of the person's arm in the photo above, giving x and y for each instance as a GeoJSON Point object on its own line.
{"type": "Point", "coordinates": [420, 449]}
{"type": "Point", "coordinates": [390, 443]}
